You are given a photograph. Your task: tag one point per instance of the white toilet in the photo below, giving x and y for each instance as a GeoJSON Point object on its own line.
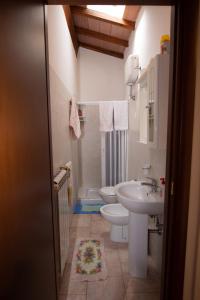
{"type": "Point", "coordinates": [108, 194]}
{"type": "Point", "coordinates": [116, 214]}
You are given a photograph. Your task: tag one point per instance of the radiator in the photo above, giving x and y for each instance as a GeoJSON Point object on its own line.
{"type": "Point", "coordinates": [60, 184]}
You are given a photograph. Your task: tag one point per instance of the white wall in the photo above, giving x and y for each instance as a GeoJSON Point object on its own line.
{"type": "Point", "coordinates": [63, 70]}
{"type": "Point", "coordinates": [152, 22]}
{"type": "Point", "coordinates": [62, 57]}
{"type": "Point", "coordinates": [101, 78]}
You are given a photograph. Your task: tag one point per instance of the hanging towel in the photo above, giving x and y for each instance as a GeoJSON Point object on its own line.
{"type": "Point", "coordinates": [106, 116]}
{"type": "Point", "coordinates": [74, 121]}
{"type": "Point", "coordinates": [121, 115]}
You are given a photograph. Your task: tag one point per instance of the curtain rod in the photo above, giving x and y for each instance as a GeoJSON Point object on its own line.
{"type": "Point", "coordinates": [97, 102]}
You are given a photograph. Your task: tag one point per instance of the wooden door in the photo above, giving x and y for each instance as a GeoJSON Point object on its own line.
{"type": "Point", "coordinates": [27, 263]}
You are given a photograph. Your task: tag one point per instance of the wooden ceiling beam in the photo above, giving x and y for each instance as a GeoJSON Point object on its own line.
{"type": "Point", "coordinates": [131, 12]}
{"type": "Point", "coordinates": [70, 23]}
{"type": "Point", "coordinates": [101, 36]}
{"type": "Point", "coordinates": [101, 50]}
{"type": "Point", "coordinates": [89, 13]}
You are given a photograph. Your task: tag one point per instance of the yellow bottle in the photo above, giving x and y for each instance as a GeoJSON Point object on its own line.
{"type": "Point", "coordinates": [165, 44]}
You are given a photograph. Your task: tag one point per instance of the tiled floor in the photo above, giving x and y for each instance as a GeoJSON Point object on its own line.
{"type": "Point", "coordinates": [119, 285]}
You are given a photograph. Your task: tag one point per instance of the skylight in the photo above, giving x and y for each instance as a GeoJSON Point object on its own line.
{"type": "Point", "coordinates": [112, 10]}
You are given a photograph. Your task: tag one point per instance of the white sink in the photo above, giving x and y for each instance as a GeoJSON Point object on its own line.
{"type": "Point", "coordinates": [138, 199]}
{"type": "Point", "coordinates": [140, 202]}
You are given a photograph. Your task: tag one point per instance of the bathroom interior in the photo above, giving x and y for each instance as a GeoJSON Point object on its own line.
{"type": "Point", "coordinates": [109, 82]}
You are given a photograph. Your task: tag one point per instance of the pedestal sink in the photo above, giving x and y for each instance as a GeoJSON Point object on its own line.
{"type": "Point", "coordinates": [140, 202]}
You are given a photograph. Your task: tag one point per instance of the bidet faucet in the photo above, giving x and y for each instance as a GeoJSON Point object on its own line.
{"type": "Point", "coordinates": [153, 184]}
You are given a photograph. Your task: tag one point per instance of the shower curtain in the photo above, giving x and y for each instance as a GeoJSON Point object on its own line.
{"type": "Point", "coordinates": [114, 157]}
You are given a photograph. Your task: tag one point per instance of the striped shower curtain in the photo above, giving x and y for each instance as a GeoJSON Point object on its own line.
{"type": "Point", "coordinates": [114, 157]}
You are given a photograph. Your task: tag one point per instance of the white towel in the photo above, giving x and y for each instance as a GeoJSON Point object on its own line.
{"type": "Point", "coordinates": [74, 120]}
{"type": "Point", "coordinates": [121, 115]}
{"type": "Point", "coordinates": [106, 116]}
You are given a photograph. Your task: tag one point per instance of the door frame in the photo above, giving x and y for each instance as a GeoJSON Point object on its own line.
{"type": "Point", "coordinates": [179, 150]}
{"type": "Point", "coordinates": [180, 127]}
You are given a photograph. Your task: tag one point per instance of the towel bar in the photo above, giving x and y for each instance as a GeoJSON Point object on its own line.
{"type": "Point", "coordinates": [58, 184]}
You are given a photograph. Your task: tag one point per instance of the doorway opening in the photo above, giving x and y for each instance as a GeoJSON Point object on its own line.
{"type": "Point", "coordinates": [108, 67]}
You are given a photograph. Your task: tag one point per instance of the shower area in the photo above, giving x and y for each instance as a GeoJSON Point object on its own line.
{"type": "Point", "coordinates": [102, 155]}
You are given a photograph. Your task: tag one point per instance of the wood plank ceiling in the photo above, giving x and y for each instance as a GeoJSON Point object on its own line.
{"type": "Point", "coordinates": [100, 32]}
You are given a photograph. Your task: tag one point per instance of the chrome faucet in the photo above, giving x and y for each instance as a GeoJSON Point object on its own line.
{"type": "Point", "coordinates": [153, 184]}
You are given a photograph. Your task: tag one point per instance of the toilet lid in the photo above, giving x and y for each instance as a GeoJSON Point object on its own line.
{"type": "Point", "coordinates": [108, 190]}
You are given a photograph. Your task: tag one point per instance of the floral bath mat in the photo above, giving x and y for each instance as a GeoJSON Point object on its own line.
{"type": "Point", "coordinates": [88, 262]}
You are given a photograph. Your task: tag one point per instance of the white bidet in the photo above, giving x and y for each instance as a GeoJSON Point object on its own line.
{"type": "Point", "coordinates": [118, 216]}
